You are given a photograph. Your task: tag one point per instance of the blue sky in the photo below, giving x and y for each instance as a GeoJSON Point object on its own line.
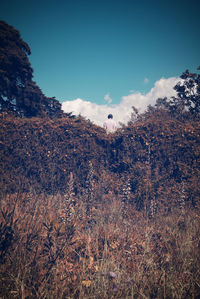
{"type": "Point", "coordinates": [89, 49]}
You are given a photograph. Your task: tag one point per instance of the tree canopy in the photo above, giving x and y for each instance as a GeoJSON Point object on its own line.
{"type": "Point", "coordinates": [186, 103]}
{"type": "Point", "coordinates": [19, 94]}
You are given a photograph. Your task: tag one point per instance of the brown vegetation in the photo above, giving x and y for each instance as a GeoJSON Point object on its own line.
{"type": "Point", "coordinates": [90, 215]}
{"type": "Point", "coordinates": [156, 154]}
{"type": "Point", "coordinates": [54, 247]}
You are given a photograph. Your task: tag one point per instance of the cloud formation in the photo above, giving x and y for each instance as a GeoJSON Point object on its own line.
{"type": "Point", "coordinates": [107, 98]}
{"type": "Point", "coordinates": [122, 111]}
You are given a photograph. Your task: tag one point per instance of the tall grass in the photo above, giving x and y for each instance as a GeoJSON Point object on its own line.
{"type": "Point", "coordinates": [55, 247]}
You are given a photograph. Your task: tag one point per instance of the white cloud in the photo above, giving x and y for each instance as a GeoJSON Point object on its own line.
{"type": "Point", "coordinates": [122, 111]}
{"type": "Point", "coordinates": [146, 80]}
{"type": "Point", "coordinates": [107, 98]}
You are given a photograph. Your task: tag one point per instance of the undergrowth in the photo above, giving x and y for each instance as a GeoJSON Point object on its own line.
{"type": "Point", "coordinates": [60, 247]}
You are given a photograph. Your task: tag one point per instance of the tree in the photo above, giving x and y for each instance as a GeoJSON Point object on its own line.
{"type": "Point", "coordinates": [18, 92]}
{"type": "Point", "coordinates": [188, 93]}
{"type": "Point", "coordinates": [187, 101]}
{"type": "Point", "coordinates": [53, 107]}
{"type": "Point", "coordinates": [32, 102]}
{"type": "Point", "coordinates": [15, 68]}
{"type": "Point", "coordinates": [29, 101]}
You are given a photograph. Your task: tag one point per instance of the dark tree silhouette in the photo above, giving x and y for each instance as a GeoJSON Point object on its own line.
{"type": "Point", "coordinates": [19, 94]}
{"type": "Point", "coordinates": [15, 68]}
{"type": "Point", "coordinates": [32, 102]}
{"type": "Point", "coordinates": [188, 93]}
{"type": "Point", "coordinates": [187, 101]}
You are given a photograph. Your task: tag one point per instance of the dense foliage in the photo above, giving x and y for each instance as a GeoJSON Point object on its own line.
{"type": "Point", "coordinates": [186, 104]}
{"type": "Point", "coordinates": [19, 94]}
{"type": "Point", "coordinates": [156, 155]}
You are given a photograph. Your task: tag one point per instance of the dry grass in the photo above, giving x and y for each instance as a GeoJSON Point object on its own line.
{"type": "Point", "coordinates": [51, 248]}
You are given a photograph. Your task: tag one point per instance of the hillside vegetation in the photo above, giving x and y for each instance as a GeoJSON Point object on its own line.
{"type": "Point", "coordinates": [154, 155]}
{"type": "Point", "coordinates": [90, 215]}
